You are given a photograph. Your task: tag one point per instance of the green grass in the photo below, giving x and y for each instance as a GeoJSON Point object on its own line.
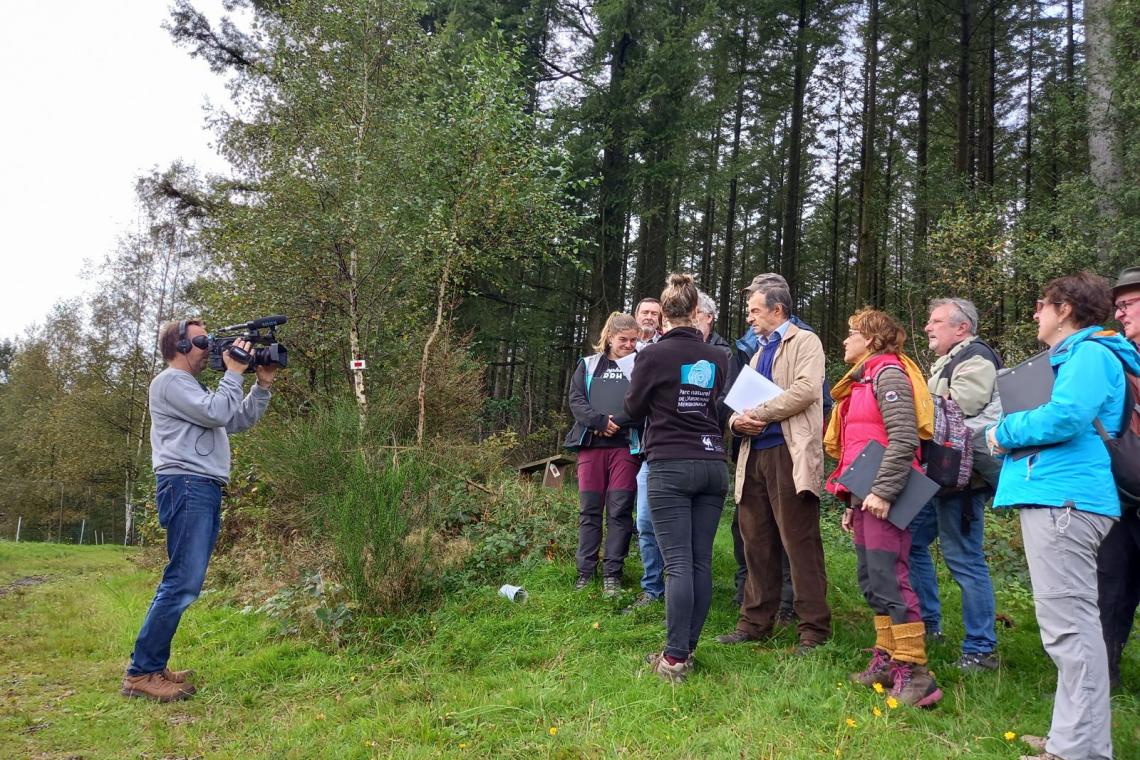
{"type": "Point", "coordinates": [557, 677]}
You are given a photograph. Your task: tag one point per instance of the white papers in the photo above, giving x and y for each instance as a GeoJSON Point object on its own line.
{"type": "Point", "coordinates": [750, 390]}
{"type": "Point", "coordinates": [625, 364]}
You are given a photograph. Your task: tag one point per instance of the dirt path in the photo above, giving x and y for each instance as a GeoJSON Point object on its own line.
{"type": "Point", "coordinates": [27, 580]}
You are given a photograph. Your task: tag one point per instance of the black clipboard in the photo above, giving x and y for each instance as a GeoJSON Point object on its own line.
{"type": "Point", "coordinates": [1023, 387]}
{"type": "Point", "coordinates": [860, 476]}
{"type": "Point", "coordinates": [608, 397]}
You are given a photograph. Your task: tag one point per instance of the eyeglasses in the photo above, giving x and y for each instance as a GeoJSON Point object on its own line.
{"type": "Point", "coordinates": [1041, 305]}
{"type": "Point", "coordinates": [1124, 305]}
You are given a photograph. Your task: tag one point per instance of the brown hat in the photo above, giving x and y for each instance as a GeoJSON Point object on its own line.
{"type": "Point", "coordinates": [1129, 280]}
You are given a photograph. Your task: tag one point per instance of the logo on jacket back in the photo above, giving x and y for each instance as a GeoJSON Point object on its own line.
{"type": "Point", "coordinates": [702, 374]}
{"type": "Point", "coordinates": [695, 394]}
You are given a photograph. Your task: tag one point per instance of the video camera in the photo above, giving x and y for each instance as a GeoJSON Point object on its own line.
{"type": "Point", "coordinates": [273, 352]}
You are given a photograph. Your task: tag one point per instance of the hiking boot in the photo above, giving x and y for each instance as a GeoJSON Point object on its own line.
{"type": "Point", "coordinates": [671, 673]}
{"type": "Point", "coordinates": [177, 676]}
{"type": "Point", "coordinates": [805, 648]}
{"type": "Point", "coordinates": [736, 637]}
{"type": "Point", "coordinates": [611, 587]}
{"type": "Point", "coordinates": [786, 619]}
{"type": "Point", "coordinates": [644, 599]}
{"type": "Point", "coordinates": [155, 686]}
{"type": "Point", "coordinates": [976, 662]}
{"type": "Point", "coordinates": [914, 685]}
{"type": "Point", "coordinates": [582, 582]}
{"type": "Point", "coordinates": [878, 670]}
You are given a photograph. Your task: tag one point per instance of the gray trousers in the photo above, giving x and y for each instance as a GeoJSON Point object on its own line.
{"type": "Point", "coordinates": [1061, 547]}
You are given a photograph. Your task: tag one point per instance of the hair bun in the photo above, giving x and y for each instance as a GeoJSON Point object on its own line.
{"type": "Point", "coordinates": [679, 280]}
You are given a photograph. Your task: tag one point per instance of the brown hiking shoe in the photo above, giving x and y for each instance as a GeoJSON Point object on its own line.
{"type": "Point", "coordinates": [177, 676]}
{"type": "Point", "coordinates": [737, 637]}
{"type": "Point", "coordinates": [155, 686]}
{"type": "Point", "coordinates": [878, 670]}
{"type": "Point", "coordinates": [914, 685]}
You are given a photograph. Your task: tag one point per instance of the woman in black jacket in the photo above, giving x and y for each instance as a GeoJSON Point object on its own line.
{"type": "Point", "coordinates": [606, 443]}
{"type": "Point", "coordinates": [679, 388]}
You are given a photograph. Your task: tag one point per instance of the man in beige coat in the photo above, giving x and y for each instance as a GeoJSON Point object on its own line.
{"type": "Point", "coordinates": [779, 472]}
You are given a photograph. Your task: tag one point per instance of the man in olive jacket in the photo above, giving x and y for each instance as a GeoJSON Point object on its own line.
{"type": "Point", "coordinates": [779, 471]}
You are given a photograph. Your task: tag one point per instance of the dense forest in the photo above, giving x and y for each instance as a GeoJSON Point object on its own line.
{"type": "Point", "coordinates": [459, 193]}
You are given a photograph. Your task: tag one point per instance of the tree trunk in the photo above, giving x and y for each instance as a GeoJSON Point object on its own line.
{"type": "Point", "coordinates": [421, 394]}
{"type": "Point", "coordinates": [989, 115]}
{"type": "Point", "coordinates": [613, 194]}
{"type": "Point", "coordinates": [867, 256]}
{"type": "Point", "coordinates": [831, 323]}
{"type": "Point", "coordinates": [1104, 139]}
{"type": "Point", "coordinates": [922, 139]}
{"type": "Point", "coordinates": [962, 155]}
{"type": "Point", "coordinates": [726, 289]}
{"type": "Point", "coordinates": [709, 215]}
{"type": "Point", "coordinates": [788, 253]}
{"type": "Point", "coordinates": [1028, 153]}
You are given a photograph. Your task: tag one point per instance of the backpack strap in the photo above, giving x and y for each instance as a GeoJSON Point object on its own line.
{"type": "Point", "coordinates": [1131, 406]}
{"type": "Point", "coordinates": [976, 348]}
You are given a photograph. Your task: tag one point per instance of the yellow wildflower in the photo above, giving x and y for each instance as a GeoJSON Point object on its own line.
{"type": "Point", "coordinates": [892, 702]}
{"type": "Point", "coordinates": [597, 626]}
{"type": "Point", "coordinates": [851, 723]}
{"type": "Point", "coordinates": [878, 687]}
{"type": "Point", "coordinates": [1009, 736]}
{"type": "Point", "coordinates": [554, 730]}
{"type": "Point", "coordinates": [876, 712]}
{"type": "Point", "coordinates": [320, 716]}
{"type": "Point", "coordinates": [462, 745]}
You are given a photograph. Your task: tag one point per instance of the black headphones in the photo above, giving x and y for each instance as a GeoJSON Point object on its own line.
{"type": "Point", "coordinates": [183, 342]}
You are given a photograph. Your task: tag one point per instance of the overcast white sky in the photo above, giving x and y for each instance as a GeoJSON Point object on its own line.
{"type": "Point", "coordinates": [94, 94]}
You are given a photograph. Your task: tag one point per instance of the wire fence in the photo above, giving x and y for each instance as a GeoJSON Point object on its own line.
{"type": "Point", "coordinates": [60, 512]}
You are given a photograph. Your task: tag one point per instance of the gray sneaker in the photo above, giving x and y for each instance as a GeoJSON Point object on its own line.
{"type": "Point", "coordinates": [611, 587]}
{"type": "Point", "coordinates": [976, 662]}
{"type": "Point", "coordinates": [644, 599]}
{"type": "Point", "coordinates": [671, 673]}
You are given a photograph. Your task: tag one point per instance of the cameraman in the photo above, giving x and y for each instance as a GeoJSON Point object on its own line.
{"type": "Point", "coordinates": [190, 449]}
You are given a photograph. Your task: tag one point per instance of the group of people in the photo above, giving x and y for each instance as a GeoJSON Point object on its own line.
{"type": "Point", "coordinates": [653, 435]}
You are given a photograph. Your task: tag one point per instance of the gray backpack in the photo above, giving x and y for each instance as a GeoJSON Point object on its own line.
{"type": "Point", "coordinates": [984, 464]}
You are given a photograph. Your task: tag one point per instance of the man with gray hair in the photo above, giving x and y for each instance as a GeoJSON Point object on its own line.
{"type": "Point", "coordinates": [706, 318]}
{"type": "Point", "coordinates": [746, 347]}
{"type": "Point", "coordinates": [965, 373]}
{"type": "Point", "coordinates": [779, 471]}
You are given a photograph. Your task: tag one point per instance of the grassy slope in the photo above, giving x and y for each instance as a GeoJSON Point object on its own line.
{"type": "Point", "coordinates": [557, 677]}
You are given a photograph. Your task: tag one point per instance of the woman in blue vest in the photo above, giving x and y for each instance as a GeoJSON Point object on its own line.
{"type": "Point", "coordinates": [606, 442]}
{"type": "Point", "coordinates": [1067, 500]}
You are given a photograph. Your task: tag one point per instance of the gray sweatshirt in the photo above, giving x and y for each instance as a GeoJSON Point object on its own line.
{"type": "Point", "coordinates": [190, 425]}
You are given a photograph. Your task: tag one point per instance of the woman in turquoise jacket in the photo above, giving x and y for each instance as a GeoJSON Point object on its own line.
{"type": "Point", "coordinates": [1068, 502]}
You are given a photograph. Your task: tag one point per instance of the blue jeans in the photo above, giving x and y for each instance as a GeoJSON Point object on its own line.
{"type": "Point", "coordinates": [652, 577]}
{"type": "Point", "coordinates": [190, 508]}
{"type": "Point", "coordinates": [965, 556]}
{"type": "Point", "coordinates": [686, 497]}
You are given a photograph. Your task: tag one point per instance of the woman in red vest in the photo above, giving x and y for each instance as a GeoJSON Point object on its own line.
{"type": "Point", "coordinates": [876, 402]}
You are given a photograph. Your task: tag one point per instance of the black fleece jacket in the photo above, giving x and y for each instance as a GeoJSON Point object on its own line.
{"type": "Point", "coordinates": [678, 386]}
